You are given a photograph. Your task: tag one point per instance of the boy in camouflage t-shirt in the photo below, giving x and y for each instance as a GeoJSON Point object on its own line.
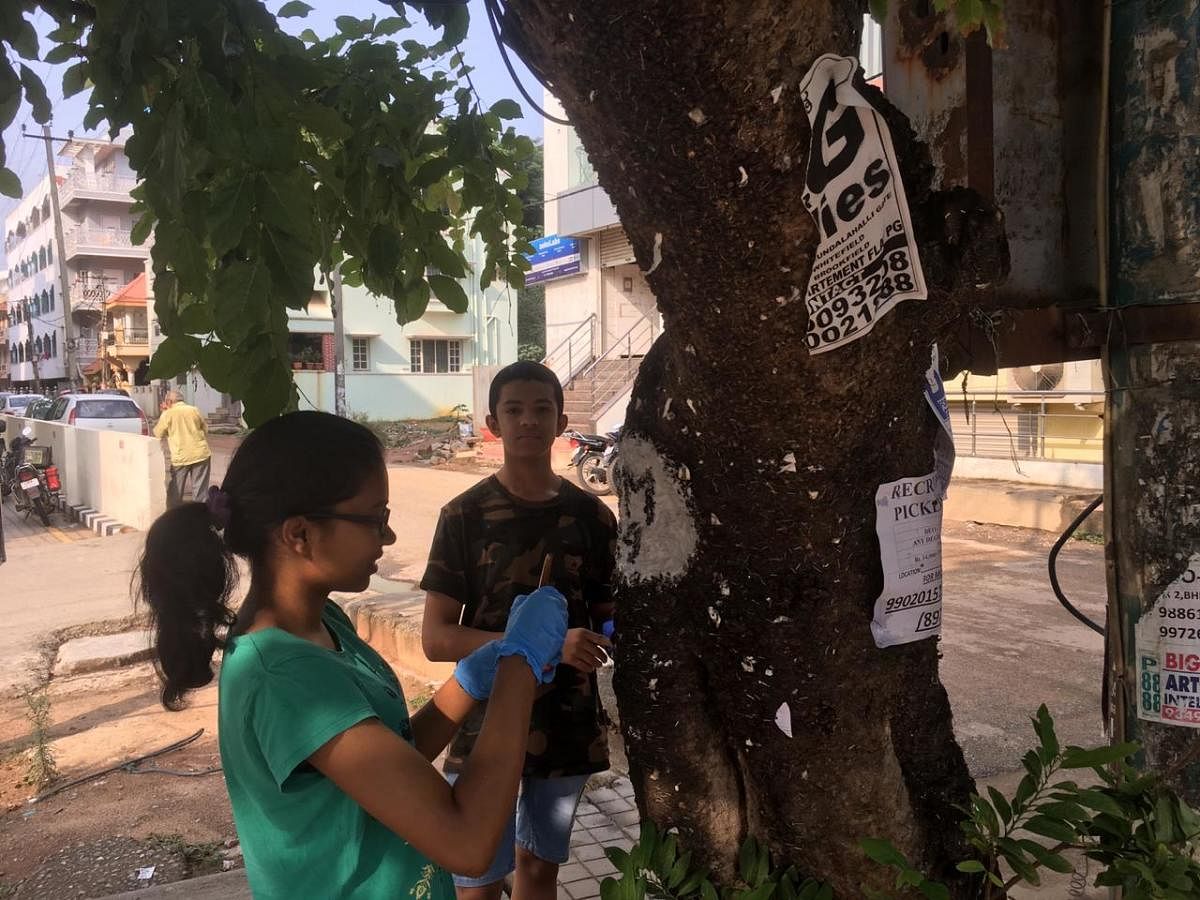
{"type": "Point", "coordinates": [489, 548]}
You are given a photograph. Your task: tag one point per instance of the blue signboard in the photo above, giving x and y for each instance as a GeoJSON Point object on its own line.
{"type": "Point", "coordinates": [553, 257]}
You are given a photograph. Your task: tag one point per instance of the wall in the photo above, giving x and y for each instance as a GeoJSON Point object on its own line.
{"type": "Point", "coordinates": [1081, 475]}
{"type": "Point", "coordinates": [123, 476]}
{"type": "Point", "coordinates": [388, 397]}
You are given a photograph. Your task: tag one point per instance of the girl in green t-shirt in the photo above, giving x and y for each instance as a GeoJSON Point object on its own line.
{"type": "Point", "coordinates": [332, 786]}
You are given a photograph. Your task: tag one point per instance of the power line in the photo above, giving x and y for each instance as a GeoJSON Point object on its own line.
{"type": "Point", "coordinates": [490, 7]}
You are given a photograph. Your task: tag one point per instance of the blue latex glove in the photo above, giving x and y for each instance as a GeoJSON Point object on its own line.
{"type": "Point", "coordinates": [537, 627]}
{"type": "Point", "coordinates": [476, 671]}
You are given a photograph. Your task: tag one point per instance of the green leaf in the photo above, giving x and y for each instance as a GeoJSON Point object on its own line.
{"type": "Point", "coordinates": [10, 184]}
{"type": "Point", "coordinates": [142, 229]}
{"type": "Point", "coordinates": [1051, 828]}
{"type": "Point", "coordinates": [229, 214]}
{"type": "Point", "coordinates": [1052, 861]}
{"type": "Point", "coordinates": [450, 292]}
{"type": "Point", "coordinates": [35, 93]}
{"type": "Point", "coordinates": [24, 39]}
{"type": "Point", "coordinates": [174, 356]}
{"type": "Point", "coordinates": [747, 856]}
{"type": "Point", "coordinates": [933, 890]}
{"type": "Point", "coordinates": [389, 25]}
{"type": "Point", "coordinates": [507, 109]}
{"type": "Point", "coordinates": [240, 296]}
{"type": "Point", "coordinates": [1001, 805]}
{"type": "Point", "coordinates": [219, 367]}
{"type": "Point", "coordinates": [971, 866]}
{"type": "Point", "coordinates": [269, 393]}
{"type": "Point", "coordinates": [294, 9]}
{"type": "Point", "coordinates": [1078, 758]}
{"type": "Point", "coordinates": [431, 172]}
{"type": "Point", "coordinates": [178, 246]}
{"type": "Point", "coordinates": [707, 891]}
{"type": "Point", "coordinates": [75, 79]}
{"type": "Point", "coordinates": [883, 852]}
{"type": "Point", "coordinates": [445, 259]}
{"type": "Point", "coordinates": [878, 10]}
{"type": "Point", "coordinates": [62, 53]}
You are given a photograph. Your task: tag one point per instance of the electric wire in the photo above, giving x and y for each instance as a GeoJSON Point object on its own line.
{"type": "Point", "coordinates": [1052, 565]}
{"type": "Point", "coordinates": [493, 22]}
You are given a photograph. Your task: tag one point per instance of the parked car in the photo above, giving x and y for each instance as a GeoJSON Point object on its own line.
{"type": "Point", "coordinates": [39, 408]}
{"type": "Point", "coordinates": [101, 412]}
{"type": "Point", "coordinates": [14, 404]}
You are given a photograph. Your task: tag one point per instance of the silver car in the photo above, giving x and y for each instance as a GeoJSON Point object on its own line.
{"type": "Point", "coordinates": [14, 404]}
{"type": "Point", "coordinates": [102, 412]}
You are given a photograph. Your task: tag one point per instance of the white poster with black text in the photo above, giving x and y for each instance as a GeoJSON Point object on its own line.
{"type": "Point", "coordinates": [1168, 653]}
{"type": "Point", "coordinates": [867, 260]}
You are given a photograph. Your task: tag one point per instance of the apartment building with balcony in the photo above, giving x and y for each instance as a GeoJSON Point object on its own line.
{"type": "Point", "coordinates": [4, 360]}
{"type": "Point", "coordinates": [36, 345]}
{"type": "Point", "coordinates": [94, 194]}
{"type": "Point", "coordinates": [99, 258]}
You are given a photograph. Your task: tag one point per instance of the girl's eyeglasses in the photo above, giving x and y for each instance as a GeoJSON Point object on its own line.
{"type": "Point", "coordinates": [380, 521]}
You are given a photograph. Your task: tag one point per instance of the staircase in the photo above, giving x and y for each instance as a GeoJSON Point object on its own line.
{"type": "Point", "coordinates": [589, 394]}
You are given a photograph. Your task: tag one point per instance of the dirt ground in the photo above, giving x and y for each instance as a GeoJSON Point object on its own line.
{"type": "Point", "coordinates": [92, 839]}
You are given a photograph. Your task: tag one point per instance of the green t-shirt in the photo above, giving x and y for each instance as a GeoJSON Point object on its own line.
{"type": "Point", "coordinates": [281, 698]}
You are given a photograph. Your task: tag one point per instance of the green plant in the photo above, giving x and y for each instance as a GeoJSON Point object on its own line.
{"type": "Point", "coordinates": [41, 766]}
{"type": "Point", "coordinates": [655, 867]}
{"type": "Point", "coordinates": [1143, 835]}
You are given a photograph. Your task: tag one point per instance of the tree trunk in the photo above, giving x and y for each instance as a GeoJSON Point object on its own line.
{"type": "Point", "coordinates": [746, 582]}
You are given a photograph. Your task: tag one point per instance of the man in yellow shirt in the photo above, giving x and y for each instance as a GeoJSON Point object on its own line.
{"type": "Point", "coordinates": [191, 460]}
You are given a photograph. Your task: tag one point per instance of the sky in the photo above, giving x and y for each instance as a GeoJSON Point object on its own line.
{"type": "Point", "coordinates": [27, 157]}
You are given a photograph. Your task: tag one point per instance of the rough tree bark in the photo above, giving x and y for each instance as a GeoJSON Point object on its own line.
{"type": "Point", "coordinates": [744, 584]}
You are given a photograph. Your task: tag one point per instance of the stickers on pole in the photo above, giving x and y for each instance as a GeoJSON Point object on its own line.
{"type": "Point", "coordinates": [1168, 653]}
{"type": "Point", "coordinates": [867, 260]}
{"type": "Point", "coordinates": [908, 522]}
{"type": "Point", "coordinates": [943, 445]}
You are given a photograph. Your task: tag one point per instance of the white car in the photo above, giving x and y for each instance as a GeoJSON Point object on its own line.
{"type": "Point", "coordinates": [102, 412]}
{"type": "Point", "coordinates": [14, 404]}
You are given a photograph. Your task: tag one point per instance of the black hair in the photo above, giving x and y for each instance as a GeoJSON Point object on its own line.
{"type": "Point", "coordinates": [525, 370]}
{"type": "Point", "coordinates": [299, 463]}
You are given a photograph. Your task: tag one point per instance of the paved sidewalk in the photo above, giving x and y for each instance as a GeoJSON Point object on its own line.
{"type": "Point", "coordinates": [606, 818]}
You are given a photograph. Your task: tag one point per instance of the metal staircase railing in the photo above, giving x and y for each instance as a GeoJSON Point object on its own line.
{"type": "Point", "coordinates": [575, 353]}
{"type": "Point", "coordinates": [616, 367]}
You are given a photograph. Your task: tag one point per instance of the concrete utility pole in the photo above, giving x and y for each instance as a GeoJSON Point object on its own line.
{"type": "Point", "coordinates": [63, 279]}
{"type": "Point", "coordinates": [1152, 412]}
{"type": "Point", "coordinates": [339, 343]}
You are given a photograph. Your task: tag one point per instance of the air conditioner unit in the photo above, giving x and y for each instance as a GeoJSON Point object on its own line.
{"type": "Point", "coordinates": [1071, 378]}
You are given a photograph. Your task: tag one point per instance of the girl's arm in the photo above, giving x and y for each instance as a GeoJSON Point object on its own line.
{"type": "Point", "coordinates": [435, 723]}
{"type": "Point", "coordinates": [458, 827]}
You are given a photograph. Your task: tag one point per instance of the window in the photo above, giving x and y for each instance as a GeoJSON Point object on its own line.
{"type": "Point", "coordinates": [360, 354]}
{"type": "Point", "coordinates": [51, 296]}
{"type": "Point", "coordinates": [54, 345]}
{"type": "Point", "coordinates": [107, 409]}
{"type": "Point", "coordinates": [41, 259]}
{"type": "Point", "coordinates": [434, 356]}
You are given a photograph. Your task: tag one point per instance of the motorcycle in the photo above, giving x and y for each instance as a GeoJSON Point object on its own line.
{"type": "Point", "coordinates": [593, 459]}
{"type": "Point", "coordinates": [28, 474]}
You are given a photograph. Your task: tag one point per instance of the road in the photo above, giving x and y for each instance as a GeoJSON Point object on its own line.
{"type": "Point", "coordinates": [1007, 644]}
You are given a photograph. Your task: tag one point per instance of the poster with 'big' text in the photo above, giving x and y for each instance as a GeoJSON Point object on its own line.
{"type": "Point", "coordinates": [1168, 653]}
{"type": "Point", "coordinates": [867, 259]}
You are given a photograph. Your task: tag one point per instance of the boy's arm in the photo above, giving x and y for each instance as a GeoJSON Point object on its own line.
{"type": "Point", "coordinates": [602, 570]}
{"type": "Point", "coordinates": [442, 637]}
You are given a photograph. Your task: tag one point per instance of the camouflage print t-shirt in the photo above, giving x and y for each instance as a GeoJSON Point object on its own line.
{"type": "Point", "coordinates": [488, 550]}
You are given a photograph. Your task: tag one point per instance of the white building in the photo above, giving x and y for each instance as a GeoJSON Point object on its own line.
{"type": "Point", "coordinates": [421, 370]}
{"type": "Point", "coordinates": [111, 341]}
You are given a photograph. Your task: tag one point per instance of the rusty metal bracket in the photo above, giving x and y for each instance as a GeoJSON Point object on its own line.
{"type": "Point", "coordinates": [1024, 337]}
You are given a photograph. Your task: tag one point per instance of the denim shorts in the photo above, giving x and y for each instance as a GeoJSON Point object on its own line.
{"type": "Point", "coordinates": [541, 824]}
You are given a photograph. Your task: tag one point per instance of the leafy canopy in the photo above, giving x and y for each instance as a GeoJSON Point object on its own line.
{"type": "Point", "coordinates": [264, 158]}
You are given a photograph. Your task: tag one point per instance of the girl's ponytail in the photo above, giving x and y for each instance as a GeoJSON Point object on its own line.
{"type": "Point", "coordinates": [185, 577]}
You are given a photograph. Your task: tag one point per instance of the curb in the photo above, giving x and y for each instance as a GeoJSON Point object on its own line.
{"type": "Point", "coordinates": [93, 520]}
{"type": "Point", "coordinates": [392, 625]}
